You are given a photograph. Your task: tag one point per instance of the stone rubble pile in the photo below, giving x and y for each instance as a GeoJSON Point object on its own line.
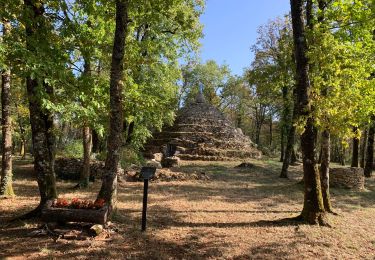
{"type": "Point", "coordinates": [170, 174]}
{"type": "Point", "coordinates": [71, 168]}
{"type": "Point", "coordinates": [349, 178]}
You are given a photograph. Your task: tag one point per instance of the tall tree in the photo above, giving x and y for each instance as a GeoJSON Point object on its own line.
{"type": "Point", "coordinates": [326, 133]}
{"type": "Point", "coordinates": [41, 119]}
{"type": "Point", "coordinates": [108, 190]}
{"type": "Point", "coordinates": [313, 210]}
{"type": "Point", "coordinates": [6, 187]}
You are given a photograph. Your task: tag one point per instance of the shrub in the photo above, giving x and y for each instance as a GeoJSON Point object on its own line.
{"type": "Point", "coordinates": [73, 149]}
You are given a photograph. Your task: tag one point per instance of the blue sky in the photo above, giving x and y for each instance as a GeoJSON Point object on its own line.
{"type": "Point", "coordinates": [230, 29]}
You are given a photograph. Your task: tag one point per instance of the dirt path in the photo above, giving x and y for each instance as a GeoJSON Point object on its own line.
{"type": "Point", "coordinates": [231, 216]}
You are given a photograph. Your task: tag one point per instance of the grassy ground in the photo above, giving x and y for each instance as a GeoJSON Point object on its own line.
{"type": "Point", "coordinates": [228, 217]}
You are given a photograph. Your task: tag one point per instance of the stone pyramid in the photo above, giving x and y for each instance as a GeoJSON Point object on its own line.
{"type": "Point", "coordinates": [202, 132]}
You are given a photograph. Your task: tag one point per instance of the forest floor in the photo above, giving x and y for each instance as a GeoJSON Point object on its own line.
{"type": "Point", "coordinates": [231, 216]}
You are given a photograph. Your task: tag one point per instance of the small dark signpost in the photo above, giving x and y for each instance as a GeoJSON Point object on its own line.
{"type": "Point", "coordinates": [146, 174]}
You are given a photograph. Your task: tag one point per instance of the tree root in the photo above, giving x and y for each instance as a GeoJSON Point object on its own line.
{"type": "Point", "coordinates": [79, 186]}
{"type": "Point", "coordinates": [332, 212]}
{"type": "Point", "coordinates": [314, 219]}
{"type": "Point", "coordinates": [320, 219]}
{"type": "Point", "coordinates": [35, 213]}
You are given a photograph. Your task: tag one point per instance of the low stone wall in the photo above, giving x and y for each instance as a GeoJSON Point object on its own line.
{"type": "Point", "coordinates": [71, 168]}
{"type": "Point", "coordinates": [349, 178]}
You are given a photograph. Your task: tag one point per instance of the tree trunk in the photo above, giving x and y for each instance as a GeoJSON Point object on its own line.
{"type": "Point", "coordinates": [22, 134]}
{"type": "Point", "coordinates": [96, 142]}
{"type": "Point", "coordinates": [22, 150]}
{"type": "Point", "coordinates": [355, 150]}
{"type": "Point", "coordinates": [41, 120]}
{"type": "Point", "coordinates": [87, 144]}
{"type": "Point", "coordinates": [86, 132]}
{"type": "Point", "coordinates": [324, 169]}
{"type": "Point", "coordinates": [109, 183]}
{"type": "Point", "coordinates": [370, 149]}
{"type": "Point", "coordinates": [6, 187]}
{"type": "Point", "coordinates": [284, 121]}
{"type": "Point", "coordinates": [293, 158]}
{"type": "Point", "coordinates": [342, 155]}
{"type": "Point", "coordinates": [288, 151]}
{"type": "Point", "coordinates": [282, 141]}
{"type": "Point", "coordinates": [271, 124]}
{"type": "Point", "coordinates": [259, 120]}
{"type": "Point", "coordinates": [363, 148]}
{"type": "Point", "coordinates": [313, 208]}
{"type": "Point", "coordinates": [290, 130]}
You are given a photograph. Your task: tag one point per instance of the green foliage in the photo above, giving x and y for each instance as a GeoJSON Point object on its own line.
{"type": "Point", "coordinates": [273, 67]}
{"type": "Point", "coordinates": [161, 32]}
{"type": "Point", "coordinates": [73, 149]}
{"type": "Point", "coordinates": [212, 76]}
{"type": "Point", "coordinates": [341, 57]}
{"type": "Point", "coordinates": [130, 155]}
{"type": "Point", "coordinates": [71, 52]}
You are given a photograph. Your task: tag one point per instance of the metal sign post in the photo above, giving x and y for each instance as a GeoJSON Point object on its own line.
{"type": "Point", "coordinates": [146, 174]}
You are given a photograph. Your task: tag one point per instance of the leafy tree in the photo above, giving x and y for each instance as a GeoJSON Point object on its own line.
{"type": "Point", "coordinates": [149, 39]}
{"type": "Point", "coordinates": [40, 90]}
{"type": "Point", "coordinates": [109, 181]}
{"type": "Point", "coordinates": [273, 76]}
{"type": "Point", "coordinates": [237, 101]}
{"type": "Point", "coordinates": [313, 208]}
{"type": "Point", "coordinates": [210, 75]}
{"type": "Point", "coordinates": [86, 31]}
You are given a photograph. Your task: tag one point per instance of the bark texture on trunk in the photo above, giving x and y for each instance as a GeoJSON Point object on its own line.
{"type": "Point", "coordinates": [342, 155]}
{"type": "Point", "coordinates": [6, 187]}
{"type": "Point", "coordinates": [355, 154]}
{"type": "Point", "coordinates": [41, 120]}
{"type": "Point", "coordinates": [290, 117]}
{"type": "Point", "coordinates": [313, 208]}
{"type": "Point", "coordinates": [22, 134]}
{"type": "Point", "coordinates": [282, 141]}
{"type": "Point", "coordinates": [293, 158]}
{"type": "Point", "coordinates": [109, 183]}
{"type": "Point", "coordinates": [370, 149]}
{"type": "Point", "coordinates": [87, 144]}
{"type": "Point", "coordinates": [325, 151]}
{"type": "Point", "coordinates": [97, 147]}
{"type": "Point", "coordinates": [324, 169]}
{"type": "Point", "coordinates": [271, 132]}
{"type": "Point", "coordinates": [259, 120]}
{"type": "Point", "coordinates": [288, 152]}
{"type": "Point", "coordinates": [285, 118]}
{"type": "Point", "coordinates": [363, 148]}
{"type": "Point", "coordinates": [86, 134]}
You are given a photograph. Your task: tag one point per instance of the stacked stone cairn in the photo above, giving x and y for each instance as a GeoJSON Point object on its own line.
{"type": "Point", "coordinates": [201, 132]}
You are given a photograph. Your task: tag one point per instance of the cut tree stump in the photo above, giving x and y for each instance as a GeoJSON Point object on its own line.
{"type": "Point", "coordinates": [52, 214]}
